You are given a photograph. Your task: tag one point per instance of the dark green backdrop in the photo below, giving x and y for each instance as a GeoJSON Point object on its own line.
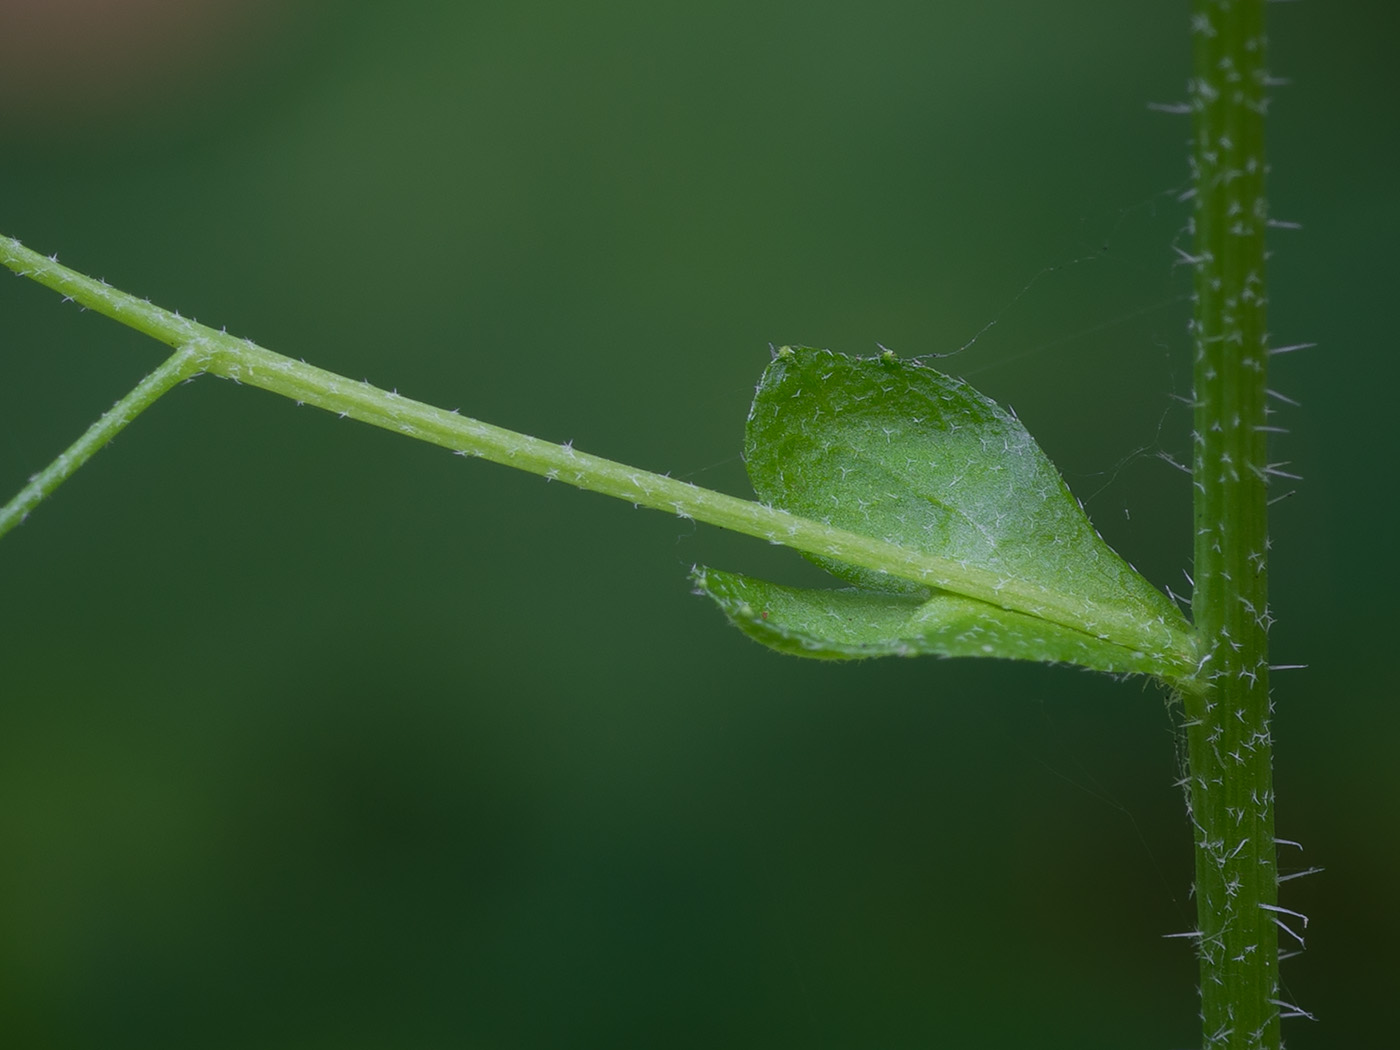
{"type": "Point", "coordinates": [311, 736]}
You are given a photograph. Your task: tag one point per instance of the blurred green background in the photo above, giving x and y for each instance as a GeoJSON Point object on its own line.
{"type": "Point", "coordinates": [311, 736]}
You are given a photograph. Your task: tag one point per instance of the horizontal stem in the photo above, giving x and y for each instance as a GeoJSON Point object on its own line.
{"type": "Point", "coordinates": [1171, 644]}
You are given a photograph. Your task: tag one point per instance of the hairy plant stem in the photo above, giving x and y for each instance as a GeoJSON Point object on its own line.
{"type": "Point", "coordinates": [199, 349]}
{"type": "Point", "coordinates": [1229, 749]}
{"type": "Point", "coordinates": [179, 366]}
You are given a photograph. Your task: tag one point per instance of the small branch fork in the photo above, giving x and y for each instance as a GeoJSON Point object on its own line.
{"type": "Point", "coordinates": [1169, 645]}
{"type": "Point", "coordinates": [185, 363]}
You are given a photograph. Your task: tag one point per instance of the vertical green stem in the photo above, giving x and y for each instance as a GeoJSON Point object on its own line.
{"type": "Point", "coordinates": [1230, 752]}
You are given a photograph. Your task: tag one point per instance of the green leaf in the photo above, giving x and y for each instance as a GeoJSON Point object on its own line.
{"type": "Point", "coordinates": [851, 623]}
{"type": "Point", "coordinates": [897, 451]}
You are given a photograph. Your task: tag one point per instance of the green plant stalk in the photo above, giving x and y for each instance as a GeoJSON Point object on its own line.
{"type": "Point", "coordinates": [179, 366]}
{"type": "Point", "coordinates": [202, 349]}
{"type": "Point", "coordinates": [1229, 749]}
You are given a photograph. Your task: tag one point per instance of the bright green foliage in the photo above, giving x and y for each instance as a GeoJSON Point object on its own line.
{"type": "Point", "coordinates": [958, 534]}
{"type": "Point", "coordinates": [854, 622]}
{"type": "Point", "coordinates": [898, 451]}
